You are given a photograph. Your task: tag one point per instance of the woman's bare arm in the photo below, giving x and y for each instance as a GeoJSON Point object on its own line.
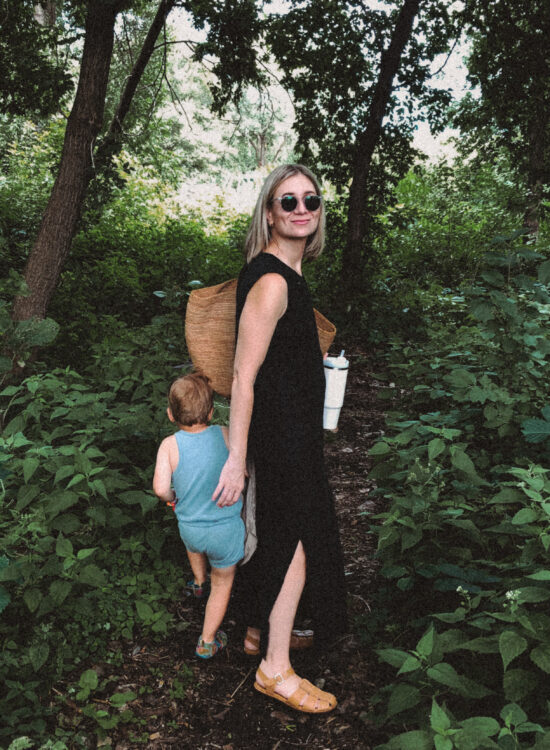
{"type": "Point", "coordinates": [265, 304]}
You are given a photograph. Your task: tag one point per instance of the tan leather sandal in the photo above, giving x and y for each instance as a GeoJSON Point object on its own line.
{"type": "Point", "coordinates": [306, 698]}
{"type": "Point", "coordinates": [255, 650]}
{"type": "Point", "coordinates": [299, 639]}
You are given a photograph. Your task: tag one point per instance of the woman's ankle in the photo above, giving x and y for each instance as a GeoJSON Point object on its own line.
{"type": "Point", "coordinates": [272, 667]}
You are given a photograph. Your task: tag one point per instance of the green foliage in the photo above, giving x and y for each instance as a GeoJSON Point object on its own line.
{"type": "Point", "coordinates": [330, 54]}
{"type": "Point", "coordinates": [89, 555]}
{"type": "Point", "coordinates": [21, 337]}
{"type": "Point", "coordinates": [35, 78]}
{"type": "Point", "coordinates": [465, 534]}
{"type": "Point", "coordinates": [512, 108]}
{"type": "Point", "coordinates": [430, 239]}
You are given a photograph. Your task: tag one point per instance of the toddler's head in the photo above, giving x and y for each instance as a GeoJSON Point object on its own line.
{"type": "Point", "coordinates": [191, 400]}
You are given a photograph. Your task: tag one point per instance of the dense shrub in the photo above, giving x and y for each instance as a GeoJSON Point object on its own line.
{"type": "Point", "coordinates": [89, 557]}
{"type": "Point", "coordinates": [464, 471]}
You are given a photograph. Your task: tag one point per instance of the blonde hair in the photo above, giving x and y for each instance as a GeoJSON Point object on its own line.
{"type": "Point", "coordinates": [259, 234]}
{"type": "Point", "coordinates": [191, 399]}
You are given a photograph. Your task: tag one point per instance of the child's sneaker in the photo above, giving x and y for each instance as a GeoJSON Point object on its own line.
{"type": "Point", "coordinates": [199, 591]}
{"type": "Point", "coordinates": [208, 650]}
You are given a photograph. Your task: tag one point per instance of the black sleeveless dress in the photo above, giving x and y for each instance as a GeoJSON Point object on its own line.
{"type": "Point", "coordinates": [294, 501]}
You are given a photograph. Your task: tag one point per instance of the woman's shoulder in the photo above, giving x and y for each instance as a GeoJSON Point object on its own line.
{"type": "Point", "coordinates": [262, 264]}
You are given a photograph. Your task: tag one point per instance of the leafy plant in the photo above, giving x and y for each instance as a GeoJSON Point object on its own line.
{"type": "Point", "coordinates": [467, 491]}
{"type": "Point", "coordinates": [90, 556]}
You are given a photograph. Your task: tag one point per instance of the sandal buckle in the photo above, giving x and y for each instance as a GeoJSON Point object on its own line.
{"type": "Point", "coordinates": [278, 678]}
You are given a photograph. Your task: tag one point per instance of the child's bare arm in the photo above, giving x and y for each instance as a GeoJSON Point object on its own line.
{"type": "Point", "coordinates": [162, 479]}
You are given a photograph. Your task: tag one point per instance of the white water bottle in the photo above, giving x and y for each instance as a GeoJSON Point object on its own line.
{"type": "Point", "coordinates": [336, 375]}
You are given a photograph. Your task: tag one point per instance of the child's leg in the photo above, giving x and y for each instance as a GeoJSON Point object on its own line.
{"type": "Point", "coordinates": [221, 581]}
{"type": "Point", "coordinates": [198, 563]}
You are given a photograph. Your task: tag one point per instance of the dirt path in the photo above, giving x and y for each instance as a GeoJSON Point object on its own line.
{"type": "Point", "coordinates": [186, 704]}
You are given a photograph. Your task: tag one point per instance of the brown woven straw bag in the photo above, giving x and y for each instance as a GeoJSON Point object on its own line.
{"type": "Point", "coordinates": [210, 332]}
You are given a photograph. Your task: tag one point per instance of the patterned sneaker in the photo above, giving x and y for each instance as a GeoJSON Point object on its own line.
{"type": "Point", "coordinates": [208, 650]}
{"type": "Point", "coordinates": [199, 591]}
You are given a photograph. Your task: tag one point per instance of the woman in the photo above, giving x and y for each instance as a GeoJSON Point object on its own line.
{"type": "Point", "coordinates": [276, 415]}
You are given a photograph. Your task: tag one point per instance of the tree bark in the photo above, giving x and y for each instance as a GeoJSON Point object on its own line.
{"type": "Point", "coordinates": [538, 128]}
{"type": "Point", "coordinates": [63, 210]}
{"type": "Point", "coordinates": [366, 143]}
{"type": "Point", "coordinates": [112, 141]}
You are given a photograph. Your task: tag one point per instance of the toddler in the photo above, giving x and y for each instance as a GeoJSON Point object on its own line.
{"type": "Point", "coordinates": [192, 460]}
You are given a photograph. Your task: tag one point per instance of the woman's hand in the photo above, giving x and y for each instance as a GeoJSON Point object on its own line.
{"type": "Point", "coordinates": [231, 482]}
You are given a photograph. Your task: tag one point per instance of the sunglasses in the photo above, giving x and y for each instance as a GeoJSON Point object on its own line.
{"type": "Point", "coordinates": [289, 202]}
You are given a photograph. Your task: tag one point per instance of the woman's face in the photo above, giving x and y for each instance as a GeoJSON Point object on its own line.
{"type": "Point", "coordinates": [298, 223]}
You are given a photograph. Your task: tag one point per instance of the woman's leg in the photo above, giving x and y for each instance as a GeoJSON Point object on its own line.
{"type": "Point", "coordinates": [281, 621]}
{"type": "Point", "coordinates": [221, 581]}
{"type": "Point", "coordinates": [198, 563]}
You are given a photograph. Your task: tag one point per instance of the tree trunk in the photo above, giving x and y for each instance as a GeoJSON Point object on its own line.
{"type": "Point", "coordinates": [366, 143]}
{"type": "Point", "coordinates": [536, 171]}
{"type": "Point", "coordinates": [111, 144]}
{"type": "Point", "coordinates": [62, 212]}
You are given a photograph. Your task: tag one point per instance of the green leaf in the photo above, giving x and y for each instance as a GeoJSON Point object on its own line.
{"type": "Point", "coordinates": [443, 743]}
{"type": "Point", "coordinates": [392, 656]}
{"type": "Point", "coordinates": [425, 645]}
{"type": "Point", "coordinates": [533, 594]}
{"type": "Point", "coordinates": [535, 430]}
{"type": "Point", "coordinates": [5, 599]}
{"type": "Point", "coordinates": [10, 572]}
{"type": "Point", "coordinates": [99, 486]}
{"type": "Point", "coordinates": [76, 480]}
{"type": "Point", "coordinates": [59, 501]}
{"type": "Point", "coordinates": [439, 721]}
{"type": "Point", "coordinates": [402, 697]}
{"type": "Point", "coordinates": [482, 726]}
{"type": "Point", "coordinates": [511, 645]}
{"type": "Point", "coordinates": [93, 576]}
{"type": "Point", "coordinates": [462, 461]}
{"type": "Point", "coordinates": [513, 715]}
{"type": "Point", "coordinates": [121, 699]}
{"type": "Point", "coordinates": [445, 674]}
{"type": "Point", "coordinates": [63, 472]}
{"type": "Point", "coordinates": [89, 680]}
{"type": "Point", "coordinates": [144, 611]}
{"type": "Point", "coordinates": [523, 516]}
{"type": "Point", "coordinates": [540, 575]}
{"type": "Point", "coordinates": [544, 272]}
{"type": "Point", "coordinates": [481, 310]}
{"type": "Point", "coordinates": [38, 655]}
{"type": "Point", "coordinates": [25, 495]}
{"type": "Point", "coordinates": [30, 465]}
{"type": "Point", "coordinates": [84, 553]}
{"type": "Point", "coordinates": [63, 547]}
{"type": "Point", "coordinates": [461, 378]}
{"type": "Point", "coordinates": [518, 683]}
{"type": "Point", "coordinates": [415, 740]}
{"type": "Point", "coordinates": [32, 598]}
{"type": "Point", "coordinates": [379, 449]}
{"type": "Point", "coordinates": [541, 657]}
{"type": "Point", "coordinates": [59, 591]}
{"type": "Point", "coordinates": [435, 448]}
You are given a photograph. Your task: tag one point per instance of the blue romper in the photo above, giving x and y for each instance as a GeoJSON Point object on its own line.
{"type": "Point", "coordinates": [203, 526]}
